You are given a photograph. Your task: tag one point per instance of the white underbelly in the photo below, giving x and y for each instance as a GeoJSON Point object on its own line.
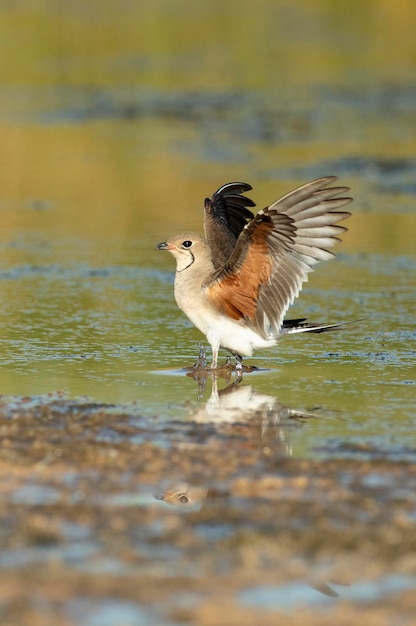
{"type": "Point", "coordinates": [236, 338]}
{"type": "Point", "coordinates": [227, 333]}
{"type": "Point", "coordinates": [221, 331]}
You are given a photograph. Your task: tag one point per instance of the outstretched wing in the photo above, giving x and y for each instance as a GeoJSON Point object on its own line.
{"type": "Point", "coordinates": [224, 218]}
{"type": "Point", "coordinates": [274, 253]}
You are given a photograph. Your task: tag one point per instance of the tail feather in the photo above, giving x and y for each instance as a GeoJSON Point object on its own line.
{"type": "Point", "coordinates": [301, 326]}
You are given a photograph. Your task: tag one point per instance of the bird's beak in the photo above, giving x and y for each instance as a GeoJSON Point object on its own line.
{"type": "Point", "coordinates": [163, 246]}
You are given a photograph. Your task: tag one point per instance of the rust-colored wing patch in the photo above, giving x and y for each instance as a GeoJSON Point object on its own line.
{"type": "Point", "coordinates": [235, 292]}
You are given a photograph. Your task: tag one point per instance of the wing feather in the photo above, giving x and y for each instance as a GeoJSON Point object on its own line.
{"type": "Point", "coordinates": [274, 253]}
{"type": "Point", "coordinates": [225, 216]}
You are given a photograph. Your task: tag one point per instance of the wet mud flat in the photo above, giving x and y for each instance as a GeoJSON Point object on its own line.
{"type": "Point", "coordinates": [109, 517]}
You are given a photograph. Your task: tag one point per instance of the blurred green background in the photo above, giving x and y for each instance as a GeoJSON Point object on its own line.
{"type": "Point", "coordinates": [116, 113]}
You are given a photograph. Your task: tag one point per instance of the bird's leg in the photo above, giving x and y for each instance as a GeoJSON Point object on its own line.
{"type": "Point", "coordinates": [214, 356]}
{"type": "Point", "coordinates": [202, 358]}
{"type": "Point", "coordinates": [202, 382]}
{"type": "Point", "coordinates": [238, 361]}
{"type": "Point", "coordinates": [238, 365]}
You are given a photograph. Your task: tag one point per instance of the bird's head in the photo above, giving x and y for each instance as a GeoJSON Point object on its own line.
{"type": "Point", "coordinates": [188, 249]}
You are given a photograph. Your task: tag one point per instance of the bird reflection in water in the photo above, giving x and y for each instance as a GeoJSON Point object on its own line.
{"type": "Point", "coordinates": [183, 496]}
{"type": "Point", "coordinates": [244, 418]}
{"type": "Point", "coordinates": [252, 419]}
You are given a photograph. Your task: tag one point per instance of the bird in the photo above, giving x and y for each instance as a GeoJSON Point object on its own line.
{"type": "Point", "coordinates": [237, 283]}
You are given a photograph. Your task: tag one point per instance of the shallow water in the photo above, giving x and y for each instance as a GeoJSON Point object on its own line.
{"type": "Point", "coordinates": [131, 492]}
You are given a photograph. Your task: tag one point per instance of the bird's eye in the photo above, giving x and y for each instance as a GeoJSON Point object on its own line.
{"type": "Point", "coordinates": [183, 499]}
{"type": "Point", "coordinates": [186, 244]}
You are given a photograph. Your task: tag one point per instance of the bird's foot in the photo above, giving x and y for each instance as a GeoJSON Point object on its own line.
{"type": "Point", "coordinates": [225, 370]}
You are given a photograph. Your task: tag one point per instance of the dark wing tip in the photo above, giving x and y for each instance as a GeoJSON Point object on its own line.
{"type": "Point", "coordinates": [226, 215]}
{"type": "Point", "coordinates": [230, 195]}
{"type": "Point", "coordinates": [233, 188]}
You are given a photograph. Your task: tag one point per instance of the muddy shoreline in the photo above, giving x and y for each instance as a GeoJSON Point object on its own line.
{"type": "Point", "coordinates": [194, 523]}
